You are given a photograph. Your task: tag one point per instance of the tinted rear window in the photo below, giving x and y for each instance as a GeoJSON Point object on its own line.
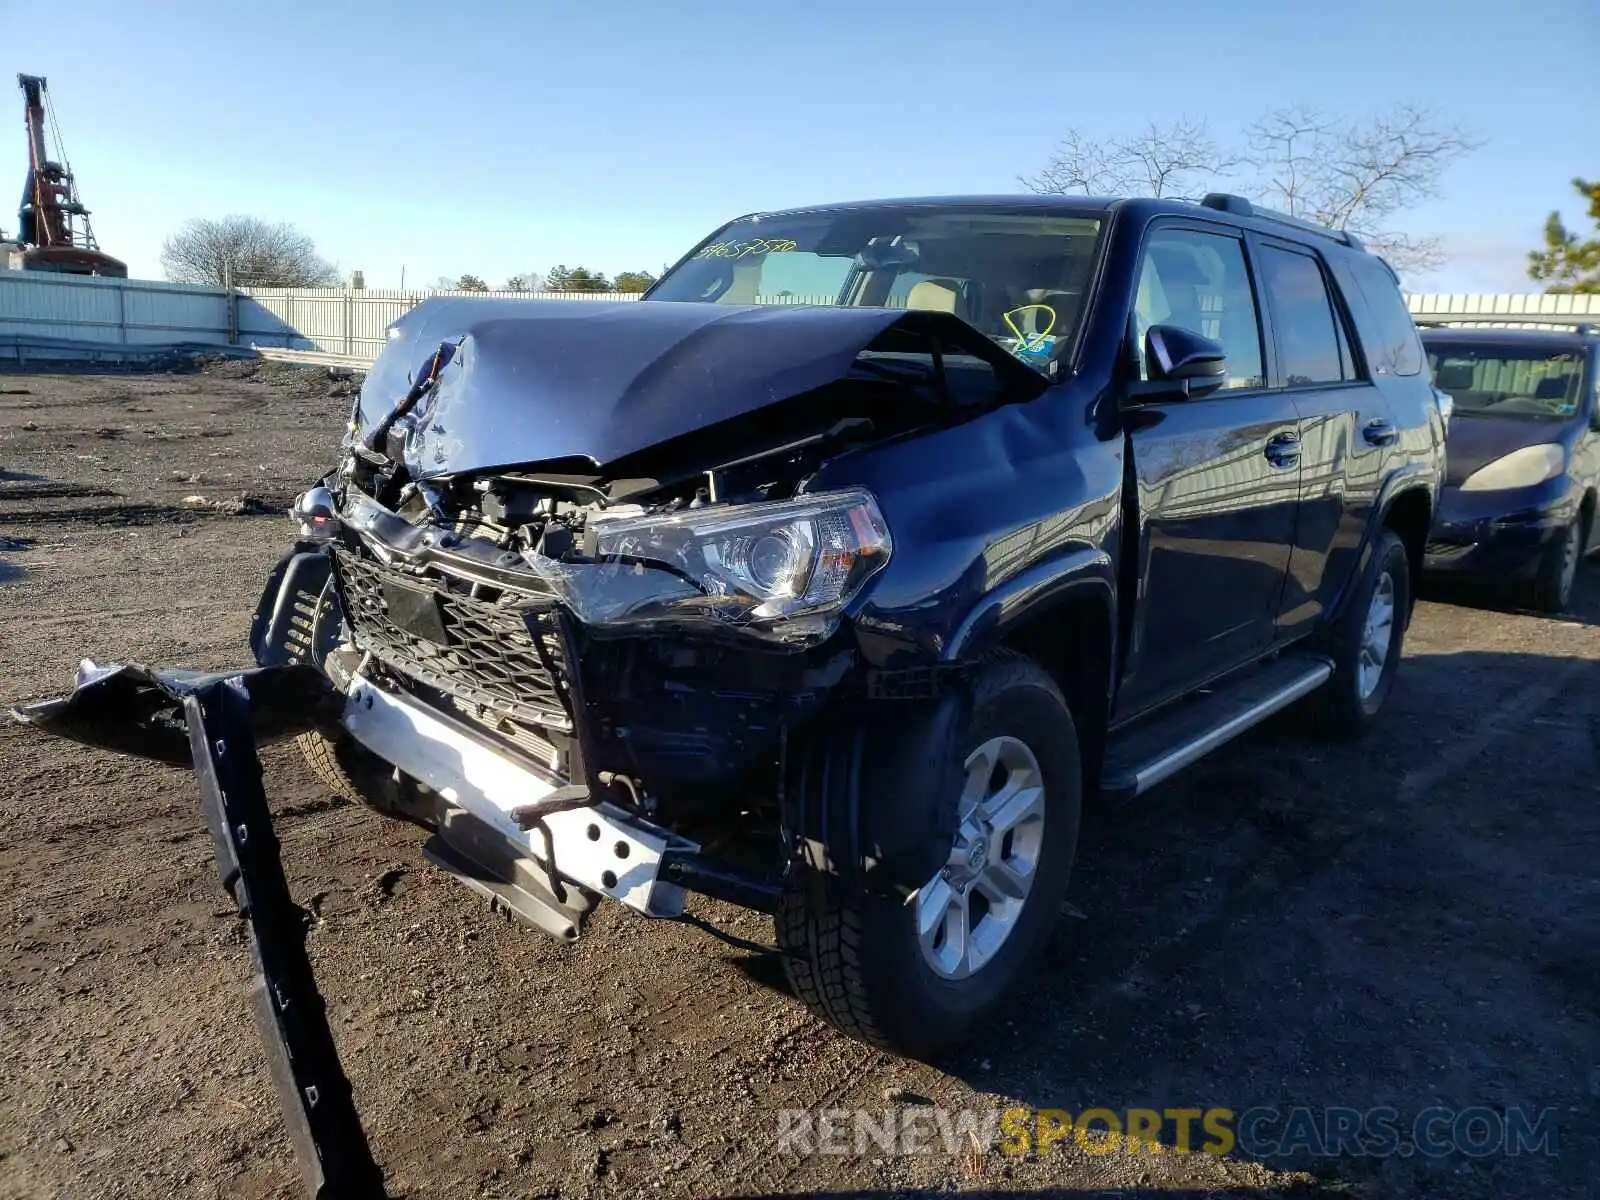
{"type": "Point", "coordinates": [1303, 318]}
{"type": "Point", "coordinates": [1388, 334]}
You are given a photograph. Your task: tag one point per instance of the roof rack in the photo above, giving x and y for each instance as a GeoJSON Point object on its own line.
{"type": "Point", "coordinates": [1238, 206]}
{"type": "Point", "coordinates": [1578, 324]}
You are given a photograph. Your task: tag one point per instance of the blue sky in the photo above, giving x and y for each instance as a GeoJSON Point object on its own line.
{"type": "Point", "coordinates": [495, 137]}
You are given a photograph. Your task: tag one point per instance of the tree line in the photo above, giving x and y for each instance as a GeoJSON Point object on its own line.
{"type": "Point", "coordinates": [560, 278]}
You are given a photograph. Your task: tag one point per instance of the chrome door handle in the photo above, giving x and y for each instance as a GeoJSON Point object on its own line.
{"type": "Point", "coordinates": [1379, 432]}
{"type": "Point", "coordinates": [1283, 450]}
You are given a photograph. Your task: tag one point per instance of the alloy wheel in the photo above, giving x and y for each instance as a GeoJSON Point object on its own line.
{"type": "Point", "coordinates": [1376, 637]}
{"type": "Point", "coordinates": [966, 912]}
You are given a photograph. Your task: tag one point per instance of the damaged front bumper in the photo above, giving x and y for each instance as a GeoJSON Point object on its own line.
{"type": "Point", "coordinates": [598, 847]}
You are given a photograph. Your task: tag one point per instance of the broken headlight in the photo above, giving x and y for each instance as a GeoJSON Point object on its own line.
{"type": "Point", "coordinates": [782, 570]}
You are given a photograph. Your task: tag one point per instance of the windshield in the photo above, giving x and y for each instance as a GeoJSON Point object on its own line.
{"type": "Point", "coordinates": [1018, 275]}
{"type": "Point", "coordinates": [1509, 381]}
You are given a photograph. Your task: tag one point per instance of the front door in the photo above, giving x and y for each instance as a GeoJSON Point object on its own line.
{"type": "Point", "coordinates": [1217, 479]}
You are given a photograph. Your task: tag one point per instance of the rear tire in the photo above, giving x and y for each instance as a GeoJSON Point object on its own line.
{"type": "Point", "coordinates": [916, 974]}
{"type": "Point", "coordinates": [1365, 644]}
{"type": "Point", "coordinates": [1558, 568]}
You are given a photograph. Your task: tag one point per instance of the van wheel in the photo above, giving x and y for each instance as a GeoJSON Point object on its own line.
{"type": "Point", "coordinates": [1558, 569]}
{"type": "Point", "coordinates": [1365, 644]}
{"type": "Point", "coordinates": [918, 973]}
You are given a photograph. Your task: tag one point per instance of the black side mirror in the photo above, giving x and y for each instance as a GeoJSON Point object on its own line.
{"type": "Point", "coordinates": [1183, 365]}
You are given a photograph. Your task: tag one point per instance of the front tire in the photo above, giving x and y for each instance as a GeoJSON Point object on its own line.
{"type": "Point", "coordinates": [1365, 644]}
{"type": "Point", "coordinates": [1558, 569]}
{"type": "Point", "coordinates": [349, 769]}
{"type": "Point", "coordinates": [918, 973]}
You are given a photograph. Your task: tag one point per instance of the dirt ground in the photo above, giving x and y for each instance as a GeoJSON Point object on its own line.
{"type": "Point", "coordinates": [1413, 921]}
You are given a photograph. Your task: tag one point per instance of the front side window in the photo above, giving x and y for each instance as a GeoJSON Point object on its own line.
{"type": "Point", "coordinates": [1199, 282]}
{"type": "Point", "coordinates": [1508, 381]}
{"type": "Point", "coordinates": [1017, 275]}
{"type": "Point", "coordinates": [1302, 318]}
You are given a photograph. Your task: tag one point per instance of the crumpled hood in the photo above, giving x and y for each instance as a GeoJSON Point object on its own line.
{"type": "Point", "coordinates": [534, 381]}
{"type": "Point", "coordinates": [1475, 442]}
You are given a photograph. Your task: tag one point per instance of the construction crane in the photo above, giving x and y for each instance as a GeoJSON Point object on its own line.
{"type": "Point", "coordinates": [54, 225]}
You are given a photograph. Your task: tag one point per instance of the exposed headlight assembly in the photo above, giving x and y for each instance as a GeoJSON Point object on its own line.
{"type": "Point", "coordinates": [782, 571]}
{"type": "Point", "coordinates": [1519, 469]}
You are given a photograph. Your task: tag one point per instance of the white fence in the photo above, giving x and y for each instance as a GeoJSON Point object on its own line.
{"type": "Point", "coordinates": [343, 321]}
{"type": "Point", "coordinates": [70, 315]}
{"type": "Point", "coordinates": [45, 314]}
{"type": "Point", "coordinates": [1539, 307]}
{"type": "Point", "coordinates": [41, 307]}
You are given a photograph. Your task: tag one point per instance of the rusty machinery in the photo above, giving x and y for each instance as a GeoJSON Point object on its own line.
{"type": "Point", "coordinates": [54, 232]}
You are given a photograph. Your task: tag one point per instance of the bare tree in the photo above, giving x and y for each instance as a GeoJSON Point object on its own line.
{"type": "Point", "coordinates": [242, 251]}
{"type": "Point", "coordinates": [1355, 175]}
{"type": "Point", "coordinates": [1179, 159]}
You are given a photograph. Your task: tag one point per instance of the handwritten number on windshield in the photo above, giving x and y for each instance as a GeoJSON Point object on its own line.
{"type": "Point", "coordinates": [745, 249]}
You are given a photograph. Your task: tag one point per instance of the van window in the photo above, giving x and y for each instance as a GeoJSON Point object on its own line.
{"type": "Point", "coordinates": [1389, 336]}
{"type": "Point", "coordinates": [1302, 318]}
{"type": "Point", "coordinates": [1501, 379]}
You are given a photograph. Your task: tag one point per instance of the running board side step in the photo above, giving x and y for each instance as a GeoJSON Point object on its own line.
{"type": "Point", "coordinates": [1154, 750]}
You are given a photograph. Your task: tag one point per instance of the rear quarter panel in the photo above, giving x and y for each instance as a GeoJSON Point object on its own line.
{"type": "Point", "coordinates": [1416, 460]}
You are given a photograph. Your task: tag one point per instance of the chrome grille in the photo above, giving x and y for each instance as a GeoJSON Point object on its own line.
{"type": "Point", "coordinates": [490, 659]}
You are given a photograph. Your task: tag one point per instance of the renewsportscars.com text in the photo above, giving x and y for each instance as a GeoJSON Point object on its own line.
{"type": "Point", "coordinates": [1257, 1132]}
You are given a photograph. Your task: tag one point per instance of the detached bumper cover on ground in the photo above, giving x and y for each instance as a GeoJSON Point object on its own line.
{"type": "Point", "coordinates": [215, 721]}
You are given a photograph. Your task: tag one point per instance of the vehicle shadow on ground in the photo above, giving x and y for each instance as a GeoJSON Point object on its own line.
{"type": "Point", "coordinates": [1585, 606]}
{"type": "Point", "coordinates": [1305, 1191]}
{"type": "Point", "coordinates": [1396, 923]}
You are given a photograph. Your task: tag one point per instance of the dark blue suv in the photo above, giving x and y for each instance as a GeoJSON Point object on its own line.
{"type": "Point", "coordinates": [1518, 504]}
{"type": "Point", "coordinates": [829, 578]}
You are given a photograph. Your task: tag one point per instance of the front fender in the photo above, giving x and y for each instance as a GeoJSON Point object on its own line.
{"type": "Point", "coordinates": [1085, 571]}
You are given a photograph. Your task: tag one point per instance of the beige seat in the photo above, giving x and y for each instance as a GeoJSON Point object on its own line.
{"type": "Point", "coordinates": [934, 295]}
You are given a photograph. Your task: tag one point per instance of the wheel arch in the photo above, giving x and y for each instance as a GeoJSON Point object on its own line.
{"type": "Point", "coordinates": [1409, 514]}
{"type": "Point", "coordinates": [1063, 617]}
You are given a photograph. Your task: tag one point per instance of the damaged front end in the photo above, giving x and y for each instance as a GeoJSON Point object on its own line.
{"type": "Point", "coordinates": [637, 631]}
{"type": "Point", "coordinates": [572, 596]}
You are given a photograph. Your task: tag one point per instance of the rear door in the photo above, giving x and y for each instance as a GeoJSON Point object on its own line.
{"type": "Point", "coordinates": [1344, 424]}
{"type": "Point", "coordinates": [1217, 479]}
